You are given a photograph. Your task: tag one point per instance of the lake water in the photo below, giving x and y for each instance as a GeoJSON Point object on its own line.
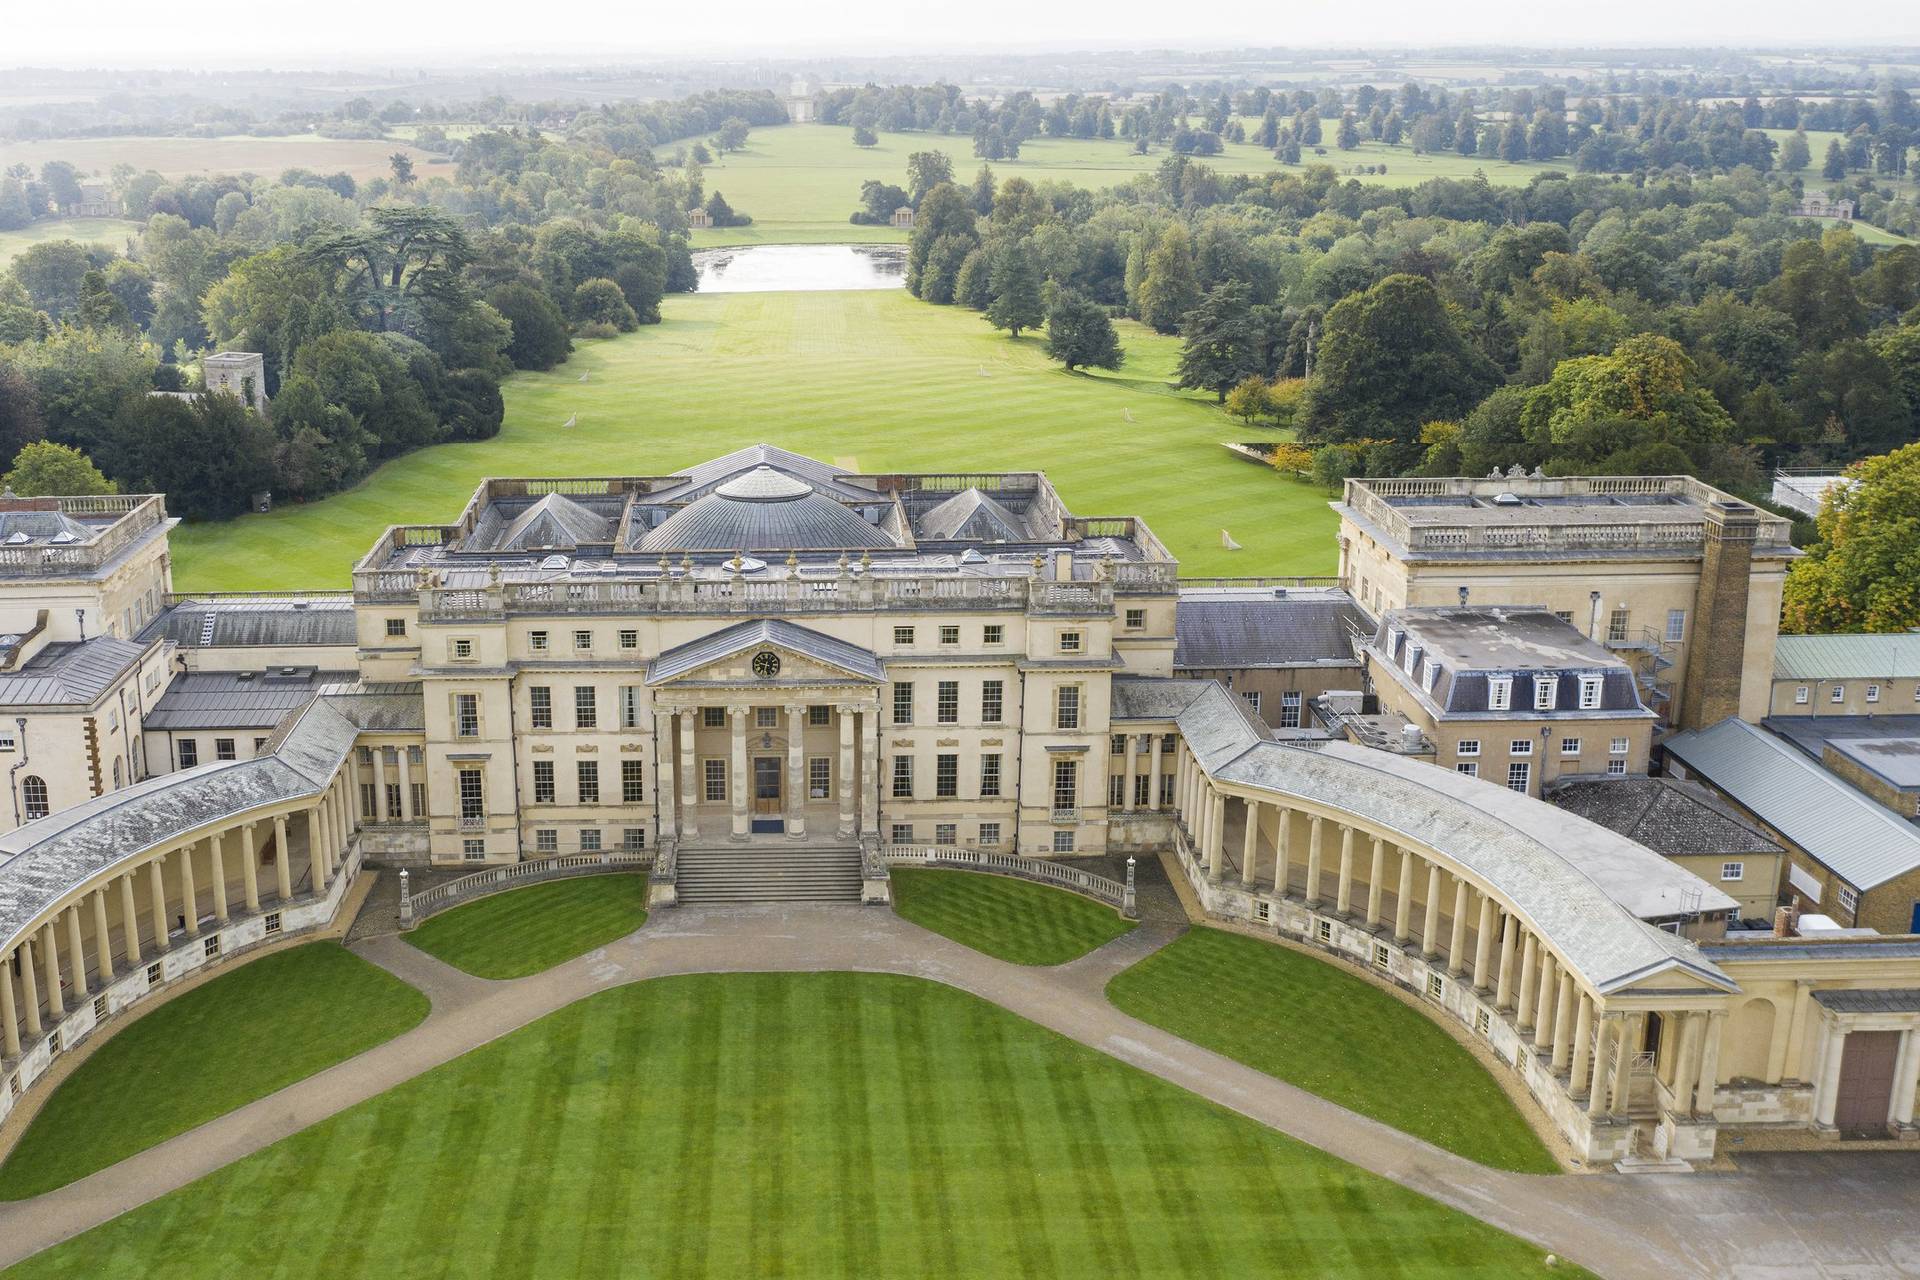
{"type": "Point", "coordinates": [791, 268]}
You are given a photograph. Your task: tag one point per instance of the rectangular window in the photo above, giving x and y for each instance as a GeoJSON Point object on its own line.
{"type": "Point", "coordinates": [903, 777]}
{"type": "Point", "coordinates": [588, 773]}
{"type": "Point", "coordinates": [1067, 707]}
{"type": "Point", "coordinates": [819, 777]}
{"type": "Point", "coordinates": [1849, 899]}
{"type": "Point", "coordinates": [367, 798]}
{"type": "Point", "coordinates": [1117, 744]}
{"type": "Point", "coordinates": [473, 796]}
{"type": "Point", "coordinates": [1252, 698]}
{"type": "Point", "coordinates": [1873, 693]}
{"type": "Point", "coordinates": [989, 833]}
{"type": "Point", "coordinates": [1142, 791]}
{"type": "Point", "coordinates": [990, 776]}
{"type": "Point", "coordinates": [819, 717]}
{"type": "Point", "coordinates": [1066, 785]}
{"type": "Point", "coordinates": [1800, 694]}
{"type": "Point", "coordinates": [189, 752]}
{"type": "Point", "coordinates": [1381, 956]}
{"type": "Point", "coordinates": [903, 702]}
{"type": "Point", "coordinates": [766, 717]}
{"type": "Point", "coordinates": [1546, 690]}
{"type": "Point", "coordinates": [1116, 790]}
{"type": "Point", "coordinates": [462, 650]}
{"type": "Point", "coordinates": [633, 782]}
{"type": "Point", "coordinates": [633, 839]}
{"type": "Point", "coordinates": [947, 833]}
{"type": "Point", "coordinates": [1323, 930]}
{"type": "Point", "coordinates": [1520, 747]}
{"type": "Point", "coordinates": [1617, 746]}
{"type": "Point", "coordinates": [466, 715]}
{"type": "Point", "coordinates": [419, 790]}
{"type": "Point", "coordinates": [1733, 870]}
{"type": "Point", "coordinates": [901, 833]}
{"type": "Point", "coordinates": [540, 706]}
{"type": "Point", "coordinates": [546, 840]}
{"type": "Point", "coordinates": [1436, 986]}
{"type": "Point", "coordinates": [629, 639]}
{"type": "Point", "coordinates": [1617, 625]}
{"type": "Point", "coordinates": [949, 635]}
{"type": "Point", "coordinates": [586, 713]}
{"type": "Point", "coordinates": [1469, 767]}
{"type": "Point", "coordinates": [1569, 746]}
{"type": "Point", "coordinates": [629, 706]}
{"type": "Point", "coordinates": [543, 788]}
{"type": "Point", "coordinates": [1618, 768]}
{"type": "Point", "coordinates": [1565, 615]}
{"type": "Point", "coordinates": [713, 717]}
{"type": "Point", "coordinates": [1069, 642]}
{"type": "Point", "coordinates": [211, 947]}
{"type": "Point", "coordinates": [1063, 841]}
{"type": "Point", "coordinates": [1289, 711]}
{"type": "Point", "coordinates": [1136, 619]}
{"type": "Point", "coordinates": [6, 740]}
{"type": "Point", "coordinates": [1483, 1022]}
{"type": "Point", "coordinates": [1590, 689]}
{"type": "Point", "coordinates": [714, 775]}
{"type": "Point", "coordinates": [1467, 747]}
{"type": "Point", "coordinates": [223, 749]}
{"type": "Point", "coordinates": [946, 778]}
{"type": "Point", "coordinates": [1839, 693]}
{"type": "Point", "coordinates": [273, 923]}
{"type": "Point", "coordinates": [1499, 693]}
{"type": "Point", "coordinates": [590, 840]}
{"type": "Point", "coordinates": [993, 633]}
{"type": "Point", "coordinates": [537, 641]}
{"type": "Point", "coordinates": [396, 626]}
{"type": "Point", "coordinates": [1676, 625]}
{"type": "Point", "coordinates": [1519, 775]}
{"type": "Point", "coordinates": [583, 639]}
{"type": "Point", "coordinates": [992, 701]}
{"type": "Point", "coordinates": [903, 635]}
{"type": "Point", "coordinates": [947, 705]}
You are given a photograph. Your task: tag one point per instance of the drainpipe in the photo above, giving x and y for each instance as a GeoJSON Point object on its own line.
{"type": "Point", "coordinates": [20, 725]}
{"type": "Point", "coordinates": [1593, 622]}
{"type": "Point", "coordinates": [1019, 764]}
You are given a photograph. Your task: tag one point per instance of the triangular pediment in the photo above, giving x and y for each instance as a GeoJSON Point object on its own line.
{"type": "Point", "coordinates": [771, 652]}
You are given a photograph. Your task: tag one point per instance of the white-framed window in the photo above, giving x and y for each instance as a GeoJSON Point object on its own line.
{"type": "Point", "coordinates": [1467, 747]}
{"type": "Point", "coordinates": [461, 650]}
{"type": "Point", "coordinates": [1482, 1022]}
{"type": "Point", "coordinates": [1323, 930]}
{"type": "Point", "coordinates": [947, 833]}
{"type": "Point", "coordinates": [901, 832]}
{"type": "Point", "coordinates": [537, 641]}
{"type": "Point", "coordinates": [946, 778]}
{"type": "Point", "coordinates": [1069, 642]}
{"type": "Point", "coordinates": [949, 636]}
{"type": "Point", "coordinates": [1546, 690]}
{"type": "Point", "coordinates": [1066, 785]}
{"type": "Point", "coordinates": [1849, 898]}
{"type": "Point", "coordinates": [7, 741]}
{"type": "Point", "coordinates": [1676, 625]}
{"type": "Point", "coordinates": [1618, 624]}
{"type": "Point", "coordinates": [1382, 956]}
{"type": "Point", "coordinates": [819, 777]}
{"type": "Point", "coordinates": [1436, 986]}
{"type": "Point", "coordinates": [766, 717]}
{"type": "Point", "coordinates": [1519, 775]}
{"type": "Point", "coordinates": [1733, 870]}
{"type": "Point", "coordinates": [1433, 675]}
{"type": "Point", "coordinates": [396, 626]}
{"type": "Point", "coordinates": [590, 840]}
{"type": "Point", "coordinates": [1262, 912]}
{"type": "Point", "coordinates": [1063, 841]}
{"type": "Point", "coordinates": [1067, 707]}
{"type": "Point", "coordinates": [903, 777]}
{"type": "Point", "coordinates": [1289, 711]}
{"type": "Point", "coordinates": [473, 850]}
{"type": "Point", "coordinates": [946, 702]}
{"type": "Point", "coordinates": [1469, 767]}
{"type": "Point", "coordinates": [903, 702]}
{"type": "Point", "coordinates": [1136, 619]}
{"type": "Point", "coordinates": [629, 639]}
{"type": "Point", "coordinates": [1617, 767]}
{"type": "Point", "coordinates": [273, 923]}
{"type": "Point", "coordinates": [1500, 693]}
{"type": "Point", "coordinates": [1873, 695]}
{"type": "Point", "coordinates": [546, 840]}
{"type": "Point", "coordinates": [993, 696]}
{"type": "Point", "coordinates": [990, 775]}
{"type": "Point", "coordinates": [903, 635]}
{"type": "Point", "coordinates": [819, 716]}
{"type": "Point", "coordinates": [993, 633]}
{"type": "Point", "coordinates": [583, 639]}
{"type": "Point", "coordinates": [1800, 694]}
{"type": "Point", "coordinates": [713, 717]}
{"type": "Point", "coordinates": [1618, 747]}
{"type": "Point", "coordinates": [1839, 693]}
{"type": "Point", "coordinates": [714, 777]}
{"type": "Point", "coordinates": [1590, 688]}
{"type": "Point", "coordinates": [466, 715]}
{"type": "Point", "coordinates": [1569, 746]}
{"type": "Point", "coordinates": [633, 839]}
{"type": "Point", "coordinates": [1520, 747]}
{"type": "Point", "coordinates": [539, 706]}
{"type": "Point", "coordinates": [989, 833]}
{"type": "Point", "coordinates": [1252, 699]}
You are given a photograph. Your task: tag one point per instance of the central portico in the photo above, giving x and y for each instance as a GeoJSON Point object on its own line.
{"type": "Point", "coordinates": [764, 725]}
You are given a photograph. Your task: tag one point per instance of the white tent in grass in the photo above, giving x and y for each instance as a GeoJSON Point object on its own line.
{"type": "Point", "coordinates": [1226, 540]}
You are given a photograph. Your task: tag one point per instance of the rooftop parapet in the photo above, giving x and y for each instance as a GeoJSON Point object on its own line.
{"type": "Point", "coordinates": [96, 529]}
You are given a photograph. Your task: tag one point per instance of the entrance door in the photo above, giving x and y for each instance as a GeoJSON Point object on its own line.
{"type": "Point", "coordinates": [1866, 1082]}
{"type": "Point", "coordinates": [766, 786]}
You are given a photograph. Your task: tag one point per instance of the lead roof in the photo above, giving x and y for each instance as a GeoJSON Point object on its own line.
{"type": "Point", "coordinates": [70, 673]}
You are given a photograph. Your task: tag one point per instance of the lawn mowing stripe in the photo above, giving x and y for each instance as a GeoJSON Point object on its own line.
{"type": "Point", "coordinates": [1003, 1102]}
{"type": "Point", "coordinates": [552, 1084]}
{"type": "Point", "coordinates": [769, 1134]}
{"type": "Point", "coordinates": [695, 1091]}
{"type": "Point", "coordinates": [1188, 1241]}
{"type": "Point", "coordinates": [856, 1208]}
{"type": "Point", "coordinates": [344, 1232]}
{"type": "Point", "coordinates": [923, 1100]}
{"type": "Point", "coordinates": [1102, 1210]}
{"type": "Point", "coordinates": [616, 1149]}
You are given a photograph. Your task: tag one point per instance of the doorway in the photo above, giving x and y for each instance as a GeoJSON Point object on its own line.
{"type": "Point", "coordinates": [768, 817]}
{"type": "Point", "coordinates": [1866, 1083]}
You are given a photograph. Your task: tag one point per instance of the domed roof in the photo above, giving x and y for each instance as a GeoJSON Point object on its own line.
{"type": "Point", "coordinates": [764, 510]}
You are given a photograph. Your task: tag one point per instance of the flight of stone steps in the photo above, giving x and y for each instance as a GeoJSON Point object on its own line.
{"type": "Point", "coordinates": [768, 873]}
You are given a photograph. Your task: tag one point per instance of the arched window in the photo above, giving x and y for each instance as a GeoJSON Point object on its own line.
{"type": "Point", "coordinates": [116, 774]}
{"type": "Point", "coordinates": [33, 794]}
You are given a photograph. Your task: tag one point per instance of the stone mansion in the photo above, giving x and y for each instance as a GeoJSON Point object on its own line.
{"type": "Point", "coordinates": [768, 677]}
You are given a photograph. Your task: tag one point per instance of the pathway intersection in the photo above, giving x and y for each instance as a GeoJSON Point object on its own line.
{"type": "Point", "coordinates": [1856, 1215]}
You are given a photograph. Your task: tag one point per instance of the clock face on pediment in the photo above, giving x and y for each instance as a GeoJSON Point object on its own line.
{"type": "Point", "coordinates": [766, 664]}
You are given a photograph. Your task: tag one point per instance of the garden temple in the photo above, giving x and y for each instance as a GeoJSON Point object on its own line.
{"type": "Point", "coordinates": [765, 677]}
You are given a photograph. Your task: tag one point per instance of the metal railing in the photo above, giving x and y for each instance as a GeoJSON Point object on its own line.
{"type": "Point", "coordinates": [1111, 892]}
{"type": "Point", "coordinates": [415, 907]}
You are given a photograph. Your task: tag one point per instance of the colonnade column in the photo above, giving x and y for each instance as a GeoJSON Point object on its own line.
{"type": "Point", "coordinates": [402, 754]}
{"type": "Point", "coordinates": [1153, 772]}
{"type": "Point", "coordinates": [1686, 1067]}
{"type": "Point", "coordinates": [249, 869]}
{"type": "Point", "coordinates": [9, 1015]}
{"type": "Point", "coordinates": [843, 778]}
{"type": "Point", "coordinates": [1403, 901]}
{"type": "Point", "coordinates": [870, 768]}
{"type": "Point", "coordinates": [1430, 927]}
{"type": "Point", "coordinates": [1828, 1096]}
{"type": "Point", "coordinates": [1283, 853]}
{"type": "Point", "coordinates": [1580, 1064]}
{"type": "Point", "coordinates": [1529, 971]}
{"type": "Point", "coordinates": [282, 857]}
{"type": "Point", "coordinates": [162, 927]}
{"type": "Point", "coordinates": [380, 808]}
{"type": "Point", "coordinates": [102, 940]}
{"type": "Point", "coordinates": [129, 918]}
{"type": "Point", "coordinates": [315, 842]}
{"type": "Point", "coordinates": [1543, 1008]}
{"type": "Point", "coordinates": [1250, 844]}
{"type": "Point", "coordinates": [1216, 834]}
{"type": "Point", "coordinates": [1378, 873]}
{"type": "Point", "coordinates": [218, 870]}
{"type": "Point", "coordinates": [76, 953]}
{"type": "Point", "coordinates": [1563, 1022]}
{"type": "Point", "coordinates": [1132, 764]}
{"type": "Point", "coordinates": [737, 771]}
{"type": "Point", "coordinates": [1906, 1080]}
{"type": "Point", "coordinates": [1632, 1032]}
{"type": "Point", "coordinates": [664, 752]}
{"type": "Point", "coordinates": [1483, 941]}
{"type": "Point", "coordinates": [1315, 836]}
{"type": "Point", "coordinates": [1599, 1081]}
{"type": "Point", "coordinates": [689, 783]}
{"type": "Point", "coordinates": [189, 893]}
{"type": "Point", "coordinates": [50, 954]}
{"type": "Point", "coordinates": [1343, 896]}
{"type": "Point", "coordinates": [1509, 928]}
{"type": "Point", "coordinates": [1709, 1082]}
{"type": "Point", "coordinates": [1457, 941]}
{"type": "Point", "coordinates": [29, 988]}
{"type": "Point", "coordinates": [796, 769]}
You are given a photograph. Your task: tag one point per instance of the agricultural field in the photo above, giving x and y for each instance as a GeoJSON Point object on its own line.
{"type": "Point", "coordinates": [800, 182]}
{"type": "Point", "coordinates": [871, 380]}
{"type": "Point", "coordinates": [175, 157]}
{"type": "Point", "coordinates": [111, 232]}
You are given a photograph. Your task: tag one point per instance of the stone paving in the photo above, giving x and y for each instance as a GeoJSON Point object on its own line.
{"type": "Point", "coordinates": [1781, 1216]}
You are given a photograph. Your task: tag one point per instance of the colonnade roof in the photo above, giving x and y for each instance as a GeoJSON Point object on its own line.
{"type": "Point", "coordinates": [1581, 887]}
{"type": "Point", "coordinates": [46, 859]}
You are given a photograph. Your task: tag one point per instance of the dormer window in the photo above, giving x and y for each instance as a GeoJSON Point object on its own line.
{"type": "Point", "coordinates": [1590, 687]}
{"type": "Point", "coordinates": [1500, 693]}
{"type": "Point", "coordinates": [1412, 659]}
{"type": "Point", "coordinates": [1546, 690]}
{"type": "Point", "coordinates": [1433, 675]}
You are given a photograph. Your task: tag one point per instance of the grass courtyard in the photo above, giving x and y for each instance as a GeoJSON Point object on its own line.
{"type": "Point", "coordinates": [241, 1036]}
{"type": "Point", "coordinates": [875, 380]}
{"type": "Point", "coordinates": [794, 1125]}
{"type": "Point", "coordinates": [1306, 1021]}
{"type": "Point", "coordinates": [111, 233]}
{"type": "Point", "coordinates": [525, 931]}
{"type": "Point", "coordinates": [1011, 920]}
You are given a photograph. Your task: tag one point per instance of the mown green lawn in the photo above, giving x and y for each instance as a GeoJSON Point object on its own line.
{"type": "Point", "coordinates": [792, 1125]}
{"type": "Point", "coordinates": [525, 931]}
{"type": "Point", "coordinates": [112, 233]}
{"type": "Point", "coordinates": [1305, 1021]}
{"type": "Point", "coordinates": [1010, 919]}
{"type": "Point", "coordinates": [241, 1036]}
{"type": "Point", "coordinates": [874, 380]}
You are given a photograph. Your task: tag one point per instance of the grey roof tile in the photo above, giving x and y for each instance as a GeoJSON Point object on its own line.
{"type": "Point", "coordinates": [1679, 819]}
{"type": "Point", "coordinates": [1217, 629]}
{"type": "Point", "coordinates": [70, 673]}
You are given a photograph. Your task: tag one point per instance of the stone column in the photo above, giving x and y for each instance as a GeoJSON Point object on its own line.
{"type": "Point", "coordinates": [1250, 844]}
{"type": "Point", "coordinates": [189, 893]}
{"type": "Point", "coordinates": [1316, 829]}
{"type": "Point", "coordinates": [1827, 1088]}
{"type": "Point", "coordinates": [1529, 971]}
{"type": "Point", "coordinates": [1343, 896]}
{"type": "Point", "coordinates": [130, 919]}
{"type": "Point", "coordinates": [1483, 942]}
{"type": "Point", "coordinates": [402, 757]}
{"type": "Point", "coordinates": [1709, 1082]}
{"type": "Point", "coordinates": [1153, 771]}
{"type": "Point", "coordinates": [1403, 902]}
{"type": "Point", "coordinates": [1216, 835]}
{"type": "Point", "coordinates": [843, 778]}
{"type": "Point", "coordinates": [1509, 929]}
{"type": "Point", "coordinates": [870, 770]}
{"type": "Point", "coordinates": [316, 842]}
{"type": "Point", "coordinates": [1430, 927]}
{"type": "Point", "coordinates": [29, 989]}
{"type": "Point", "coordinates": [1543, 1010]}
{"type": "Point", "coordinates": [1580, 1063]}
{"type": "Point", "coordinates": [9, 1015]}
{"type": "Point", "coordinates": [664, 752]}
{"type": "Point", "coordinates": [162, 927]}
{"type": "Point", "coordinates": [1686, 1065]}
{"type": "Point", "coordinates": [1132, 765]}
{"type": "Point", "coordinates": [1563, 1023]}
{"type": "Point", "coordinates": [76, 954]}
{"type": "Point", "coordinates": [381, 811]}
{"type": "Point", "coordinates": [1633, 1034]}
{"type": "Point", "coordinates": [356, 782]}
{"type": "Point", "coordinates": [1599, 1084]}
{"type": "Point", "coordinates": [1793, 1050]}
{"type": "Point", "coordinates": [282, 857]}
{"type": "Point", "coordinates": [740, 804]}
{"type": "Point", "coordinates": [102, 940]}
{"type": "Point", "coordinates": [249, 870]}
{"type": "Point", "coordinates": [1905, 1081]}
{"type": "Point", "coordinates": [218, 875]}
{"type": "Point", "coordinates": [691, 785]}
{"type": "Point", "coordinates": [1283, 854]}
{"type": "Point", "coordinates": [1457, 940]}
{"type": "Point", "coordinates": [796, 770]}
{"type": "Point", "coordinates": [1376, 873]}
{"type": "Point", "coordinates": [50, 953]}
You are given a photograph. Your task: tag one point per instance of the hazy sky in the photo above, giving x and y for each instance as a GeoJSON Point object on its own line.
{"type": "Point", "coordinates": [404, 33]}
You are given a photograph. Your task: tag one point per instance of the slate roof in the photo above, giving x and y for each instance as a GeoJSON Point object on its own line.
{"type": "Point", "coordinates": [751, 515]}
{"type": "Point", "coordinates": [974, 516]}
{"type": "Point", "coordinates": [706, 476]}
{"type": "Point", "coordinates": [1872, 948]}
{"type": "Point", "coordinates": [1238, 628]}
{"type": "Point", "coordinates": [1867, 1000]}
{"type": "Point", "coordinates": [45, 859]}
{"type": "Point", "coordinates": [1457, 652]}
{"type": "Point", "coordinates": [1861, 841]}
{"type": "Point", "coordinates": [380, 706]}
{"type": "Point", "coordinates": [1153, 698]}
{"type": "Point", "coordinates": [287, 622]}
{"type": "Point", "coordinates": [70, 673]}
{"type": "Point", "coordinates": [1847, 657]}
{"type": "Point", "coordinates": [1586, 889]}
{"type": "Point", "coordinates": [43, 528]}
{"type": "Point", "coordinates": [236, 699]}
{"type": "Point", "coordinates": [555, 521]}
{"type": "Point", "coordinates": [1668, 815]}
{"type": "Point", "coordinates": [727, 641]}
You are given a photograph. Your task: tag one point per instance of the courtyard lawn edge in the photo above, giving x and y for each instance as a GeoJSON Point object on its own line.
{"type": "Point", "coordinates": [1012, 920]}
{"type": "Point", "coordinates": [528, 930]}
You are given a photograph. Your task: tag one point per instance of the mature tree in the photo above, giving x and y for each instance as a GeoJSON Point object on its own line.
{"type": "Point", "coordinates": [20, 423]}
{"type": "Point", "coordinates": [1221, 340]}
{"type": "Point", "coordinates": [1600, 413]}
{"type": "Point", "coordinates": [540, 338]}
{"type": "Point", "coordinates": [1863, 574]}
{"type": "Point", "coordinates": [732, 135]}
{"type": "Point", "coordinates": [722, 213]}
{"type": "Point", "coordinates": [99, 308]}
{"type": "Point", "coordinates": [471, 407]}
{"type": "Point", "coordinates": [973, 286]}
{"type": "Point", "coordinates": [1250, 399]}
{"type": "Point", "coordinates": [404, 258]}
{"type": "Point", "coordinates": [865, 137]}
{"type": "Point", "coordinates": [1835, 167]}
{"type": "Point", "coordinates": [1853, 387]}
{"type": "Point", "coordinates": [981, 197]}
{"type": "Point", "coordinates": [878, 200]}
{"type": "Point", "coordinates": [272, 303]}
{"type": "Point", "coordinates": [1814, 288]}
{"type": "Point", "coordinates": [1015, 283]}
{"type": "Point", "coordinates": [600, 301]}
{"type": "Point", "coordinates": [80, 378]}
{"type": "Point", "coordinates": [321, 447]}
{"type": "Point", "coordinates": [1168, 290]}
{"type": "Point", "coordinates": [368, 377]}
{"type": "Point", "coordinates": [132, 284]}
{"type": "Point", "coordinates": [209, 455]}
{"type": "Point", "coordinates": [925, 171]}
{"type": "Point", "coordinates": [1080, 333]}
{"type": "Point", "coordinates": [62, 182]}
{"type": "Point", "coordinates": [943, 236]}
{"type": "Point", "coordinates": [1794, 155]}
{"type": "Point", "coordinates": [44, 469]}
{"type": "Point", "coordinates": [1391, 359]}
{"type": "Point", "coordinates": [1349, 135]}
{"type": "Point", "coordinates": [52, 273]}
